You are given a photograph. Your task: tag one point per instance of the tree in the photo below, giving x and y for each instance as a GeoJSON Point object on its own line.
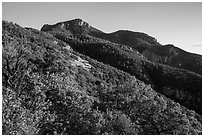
{"type": "Point", "coordinates": [15, 66]}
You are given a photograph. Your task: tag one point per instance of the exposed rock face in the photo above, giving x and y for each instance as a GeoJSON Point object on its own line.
{"type": "Point", "coordinates": [153, 57]}
{"type": "Point", "coordinates": [76, 27]}
{"type": "Point", "coordinates": [80, 62]}
{"type": "Point", "coordinates": [80, 22]}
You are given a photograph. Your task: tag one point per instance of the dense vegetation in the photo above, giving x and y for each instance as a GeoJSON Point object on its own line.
{"type": "Point", "coordinates": [180, 85]}
{"type": "Point", "coordinates": [48, 88]}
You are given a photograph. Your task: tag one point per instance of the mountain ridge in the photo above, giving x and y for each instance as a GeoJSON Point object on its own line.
{"type": "Point", "coordinates": [132, 61]}
{"type": "Point", "coordinates": [146, 45]}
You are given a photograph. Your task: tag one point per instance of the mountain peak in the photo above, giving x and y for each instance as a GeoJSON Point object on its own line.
{"type": "Point", "coordinates": [74, 26]}
{"type": "Point", "coordinates": [78, 22]}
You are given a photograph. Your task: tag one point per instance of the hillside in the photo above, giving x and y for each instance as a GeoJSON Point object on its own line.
{"type": "Point", "coordinates": [51, 86]}
{"type": "Point", "coordinates": [155, 52]}
{"type": "Point", "coordinates": [180, 85]}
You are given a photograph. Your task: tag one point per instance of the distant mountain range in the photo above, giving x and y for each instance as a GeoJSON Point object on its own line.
{"type": "Point", "coordinates": [71, 78]}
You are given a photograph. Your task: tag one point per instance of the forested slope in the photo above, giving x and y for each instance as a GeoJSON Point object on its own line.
{"type": "Point", "coordinates": [48, 88]}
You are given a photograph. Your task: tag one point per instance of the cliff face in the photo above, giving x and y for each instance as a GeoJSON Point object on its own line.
{"type": "Point", "coordinates": [176, 58]}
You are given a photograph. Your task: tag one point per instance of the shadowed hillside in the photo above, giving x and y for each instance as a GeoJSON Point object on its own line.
{"type": "Point", "coordinates": [143, 43]}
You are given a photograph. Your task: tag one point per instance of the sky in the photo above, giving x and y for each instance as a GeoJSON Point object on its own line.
{"type": "Point", "coordinates": [175, 23]}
